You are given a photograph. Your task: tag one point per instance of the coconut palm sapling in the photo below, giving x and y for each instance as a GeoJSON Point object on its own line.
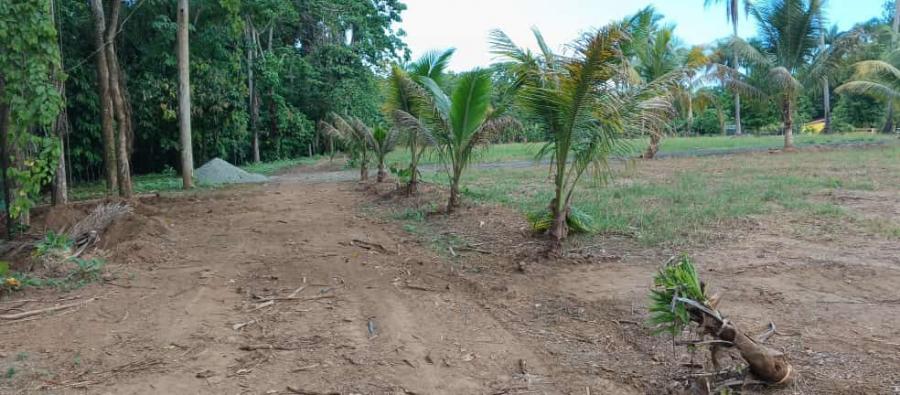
{"type": "Point", "coordinates": [458, 123]}
{"type": "Point", "coordinates": [404, 92]}
{"type": "Point", "coordinates": [354, 135]}
{"type": "Point", "coordinates": [586, 105]}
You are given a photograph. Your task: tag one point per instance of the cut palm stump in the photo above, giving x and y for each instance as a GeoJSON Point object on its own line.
{"type": "Point", "coordinates": [679, 299]}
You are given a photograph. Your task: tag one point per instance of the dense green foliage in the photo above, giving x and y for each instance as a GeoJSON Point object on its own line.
{"type": "Point", "coordinates": [313, 57]}
{"type": "Point", "coordinates": [29, 70]}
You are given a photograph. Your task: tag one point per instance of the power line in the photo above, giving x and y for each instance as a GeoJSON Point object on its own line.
{"type": "Point", "coordinates": [121, 27]}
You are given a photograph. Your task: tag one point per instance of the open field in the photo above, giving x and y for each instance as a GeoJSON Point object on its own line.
{"type": "Point", "coordinates": [354, 288]}
{"type": "Point", "coordinates": [693, 198]}
{"type": "Point", "coordinates": [670, 146]}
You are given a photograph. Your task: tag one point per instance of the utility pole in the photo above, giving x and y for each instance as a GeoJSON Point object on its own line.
{"type": "Point", "coordinates": [184, 97]}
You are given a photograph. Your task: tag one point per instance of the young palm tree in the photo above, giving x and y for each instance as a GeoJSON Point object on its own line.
{"type": "Point", "coordinates": [404, 89]}
{"type": "Point", "coordinates": [354, 136]}
{"type": "Point", "coordinates": [656, 58]}
{"type": "Point", "coordinates": [384, 140]}
{"type": "Point", "coordinates": [732, 11]}
{"type": "Point", "coordinates": [789, 37]}
{"type": "Point", "coordinates": [586, 103]}
{"type": "Point", "coordinates": [458, 123]}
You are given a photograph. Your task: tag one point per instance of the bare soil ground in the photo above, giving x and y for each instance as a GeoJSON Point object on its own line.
{"type": "Point", "coordinates": [294, 287]}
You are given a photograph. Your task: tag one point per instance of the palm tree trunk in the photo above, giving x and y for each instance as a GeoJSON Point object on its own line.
{"type": "Point", "coordinates": [381, 173]}
{"type": "Point", "coordinates": [413, 185]}
{"type": "Point", "coordinates": [653, 148]}
{"type": "Point", "coordinates": [453, 204]}
{"type": "Point", "coordinates": [559, 229]}
{"type": "Point", "coordinates": [826, 103]}
{"type": "Point", "coordinates": [690, 116]}
{"type": "Point", "coordinates": [721, 115]}
{"type": "Point", "coordinates": [788, 117]}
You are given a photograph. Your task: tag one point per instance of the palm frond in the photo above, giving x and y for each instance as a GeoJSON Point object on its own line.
{"type": "Point", "coordinates": [872, 88]}
{"type": "Point", "coordinates": [470, 103]}
{"type": "Point", "coordinates": [876, 69]}
{"type": "Point", "coordinates": [494, 127]}
{"type": "Point", "coordinates": [675, 283]}
{"type": "Point", "coordinates": [783, 79]}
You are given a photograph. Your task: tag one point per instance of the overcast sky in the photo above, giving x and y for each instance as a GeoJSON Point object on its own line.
{"type": "Point", "coordinates": [465, 24]}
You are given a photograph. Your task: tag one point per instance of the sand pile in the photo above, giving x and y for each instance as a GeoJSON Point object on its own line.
{"type": "Point", "coordinates": [218, 171]}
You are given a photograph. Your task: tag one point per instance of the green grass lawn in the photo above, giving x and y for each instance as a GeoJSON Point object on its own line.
{"type": "Point", "coordinates": [528, 151]}
{"type": "Point", "coordinates": [682, 201]}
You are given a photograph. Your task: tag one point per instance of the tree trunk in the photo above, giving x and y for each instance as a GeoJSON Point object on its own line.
{"type": "Point", "coordinates": [59, 195]}
{"type": "Point", "coordinates": [106, 111]}
{"type": "Point", "coordinates": [184, 97]}
{"type": "Point", "coordinates": [738, 129]}
{"type": "Point", "coordinates": [4, 161]}
{"type": "Point", "coordinates": [690, 116]}
{"type": "Point", "coordinates": [766, 364]}
{"type": "Point", "coordinates": [721, 115]}
{"type": "Point", "coordinates": [382, 175]}
{"type": "Point", "coordinates": [788, 117]}
{"type": "Point", "coordinates": [896, 25]}
{"type": "Point", "coordinates": [60, 188]}
{"type": "Point", "coordinates": [273, 116]}
{"type": "Point", "coordinates": [889, 118]}
{"type": "Point", "coordinates": [559, 229]}
{"type": "Point", "coordinates": [254, 122]}
{"type": "Point", "coordinates": [653, 148]}
{"type": "Point", "coordinates": [412, 187]}
{"type": "Point", "coordinates": [826, 91]}
{"type": "Point", "coordinates": [826, 104]}
{"type": "Point", "coordinates": [453, 203]}
{"type": "Point", "coordinates": [123, 123]}
{"type": "Point", "coordinates": [363, 172]}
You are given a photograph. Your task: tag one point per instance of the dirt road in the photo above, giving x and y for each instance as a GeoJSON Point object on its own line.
{"type": "Point", "coordinates": [194, 309]}
{"type": "Point", "coordinates": [289, 288]}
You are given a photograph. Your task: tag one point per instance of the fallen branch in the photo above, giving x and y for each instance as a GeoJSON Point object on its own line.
{"type": "Point", "coordinates": [30, 313]}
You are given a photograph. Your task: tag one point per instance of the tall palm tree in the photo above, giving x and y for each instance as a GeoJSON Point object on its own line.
{"type": "Point", "coordinates": [459, 123]}
{"type": "Point", "coordinates": [586, 103]}
{"type": "Point", "coordinates": [656, 58]}
{"type": "Point", "coordinates": [404, 86]}
{"type": "Point", "coordinates": [789, 37]}
{"type": "Point", "coordinates": [732, 12]}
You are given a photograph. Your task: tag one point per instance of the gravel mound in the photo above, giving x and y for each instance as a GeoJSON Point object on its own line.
{"type": "Point", "coordinates": [218, 171]}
